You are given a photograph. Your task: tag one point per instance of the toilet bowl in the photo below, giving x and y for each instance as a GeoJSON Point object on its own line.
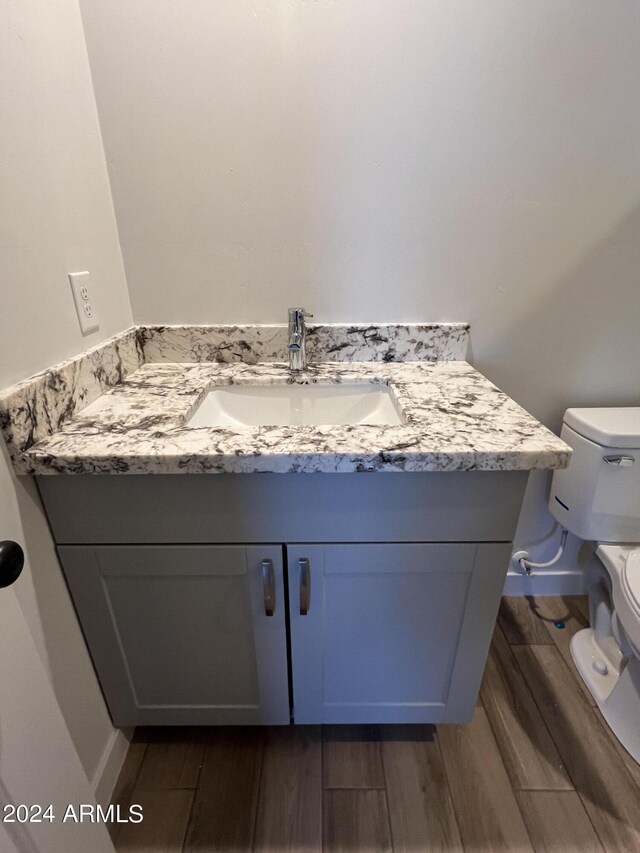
{"type": "Point", "coordinates": [598, 499]}
{"type": "Point", "coordinates": [630, 597]}
{"type": "Point", "coordinates": [607, 654]}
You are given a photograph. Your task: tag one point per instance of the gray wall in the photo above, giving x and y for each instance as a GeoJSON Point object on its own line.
{"type": "Point", "coordinates": [57, 217]}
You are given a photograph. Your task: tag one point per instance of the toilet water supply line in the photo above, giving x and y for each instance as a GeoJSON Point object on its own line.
{"type": "Point", "coordinates": [520, 557]}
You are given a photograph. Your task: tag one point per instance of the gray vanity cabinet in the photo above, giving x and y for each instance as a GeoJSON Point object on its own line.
{"type": "Point", "coordinates": [391, 633]}
{"type": "Point", "coordinates": [185, 634]}
{"type": "Point", "coordinates": [398, 578]}
{"type": "Point", "coordinates": [197, 634]}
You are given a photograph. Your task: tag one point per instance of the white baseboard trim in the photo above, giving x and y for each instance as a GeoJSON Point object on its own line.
{"type": "Point", "coordinates": [107, 772]}
{"type": "Point", "coordinates": [545, 583]}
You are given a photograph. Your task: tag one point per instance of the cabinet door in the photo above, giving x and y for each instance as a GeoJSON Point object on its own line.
{"type": "Point", "coordinates": [181, 634]}
{"type": "Point", "coordinates": [391, 633]}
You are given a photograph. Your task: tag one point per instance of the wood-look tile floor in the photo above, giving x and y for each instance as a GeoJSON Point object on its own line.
{"type": "Point", "coordinates": [536, 770]}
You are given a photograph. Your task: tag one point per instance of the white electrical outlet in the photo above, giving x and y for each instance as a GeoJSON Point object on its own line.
{"type": "Point", "coordinates": [87, 316]}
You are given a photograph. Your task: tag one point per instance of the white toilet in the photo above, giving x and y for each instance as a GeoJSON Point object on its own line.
{"type": "Point", "coordinates": [597, 498]}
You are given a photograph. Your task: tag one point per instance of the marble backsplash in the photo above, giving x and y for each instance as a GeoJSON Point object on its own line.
{"type": "Point", "coordinates": [325, 342]}
{"type": "Point", "coordinates": [39, 406]}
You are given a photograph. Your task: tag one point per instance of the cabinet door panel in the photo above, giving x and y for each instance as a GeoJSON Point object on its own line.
{"type": "Point", "coordinates": [381, 639]}
{"type": "Point", "coordinates": [179, 634]}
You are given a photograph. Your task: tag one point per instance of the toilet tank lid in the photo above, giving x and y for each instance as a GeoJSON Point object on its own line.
{"type": "Point", "coordinates": [610, 427]}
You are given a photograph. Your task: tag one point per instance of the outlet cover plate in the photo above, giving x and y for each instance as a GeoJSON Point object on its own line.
{"type": "Point", "coordinates": [81, 289]}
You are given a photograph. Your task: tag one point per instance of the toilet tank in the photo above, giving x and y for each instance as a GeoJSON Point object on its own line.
{"type": "Point", "coordinates": [598, 496]}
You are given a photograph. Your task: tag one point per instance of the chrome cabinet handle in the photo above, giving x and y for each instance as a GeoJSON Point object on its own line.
{"type": "Point", "coordinates": [621, 461]}
{"type": "Point", "coordinates": [305, 585]}
{"type": "Point", "coordinates": [268, 587]}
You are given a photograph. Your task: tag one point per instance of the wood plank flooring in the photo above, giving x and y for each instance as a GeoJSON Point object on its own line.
{"type": "Point", "coordinates": [536, 770]}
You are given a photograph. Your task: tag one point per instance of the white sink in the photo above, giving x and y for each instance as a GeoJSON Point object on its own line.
{"type": "Point", "coordinates": [281, 405]}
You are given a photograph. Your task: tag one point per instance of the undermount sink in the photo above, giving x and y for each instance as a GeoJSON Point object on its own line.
{"type": "Point", "coordinates": [283, 405]}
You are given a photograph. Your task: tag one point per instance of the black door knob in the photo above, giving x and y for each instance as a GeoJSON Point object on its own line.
{"type": "Point", "coordinates": [11, 562]}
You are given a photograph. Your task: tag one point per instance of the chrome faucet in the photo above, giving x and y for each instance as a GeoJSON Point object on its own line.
{"type": "Point", "coordinates": [297, 345]}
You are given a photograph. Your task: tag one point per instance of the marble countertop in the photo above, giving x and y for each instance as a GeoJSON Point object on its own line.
{"type": "Point", "coordinates": [455, 419]}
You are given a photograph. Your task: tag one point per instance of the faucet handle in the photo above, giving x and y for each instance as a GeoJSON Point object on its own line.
{"type": "Point", "coordinates": [297, 316]}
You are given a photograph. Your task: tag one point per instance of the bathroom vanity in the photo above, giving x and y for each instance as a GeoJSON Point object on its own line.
{"type": "Point", "coordinates": [261, 573]}
{"type": "Point", "coordinates": [184, 584]}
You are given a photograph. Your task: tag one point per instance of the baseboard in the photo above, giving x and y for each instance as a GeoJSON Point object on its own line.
{"type": "Point", "coordinates": [545, 583]}
{"type": "Point", "coordinates": [106, 775]}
